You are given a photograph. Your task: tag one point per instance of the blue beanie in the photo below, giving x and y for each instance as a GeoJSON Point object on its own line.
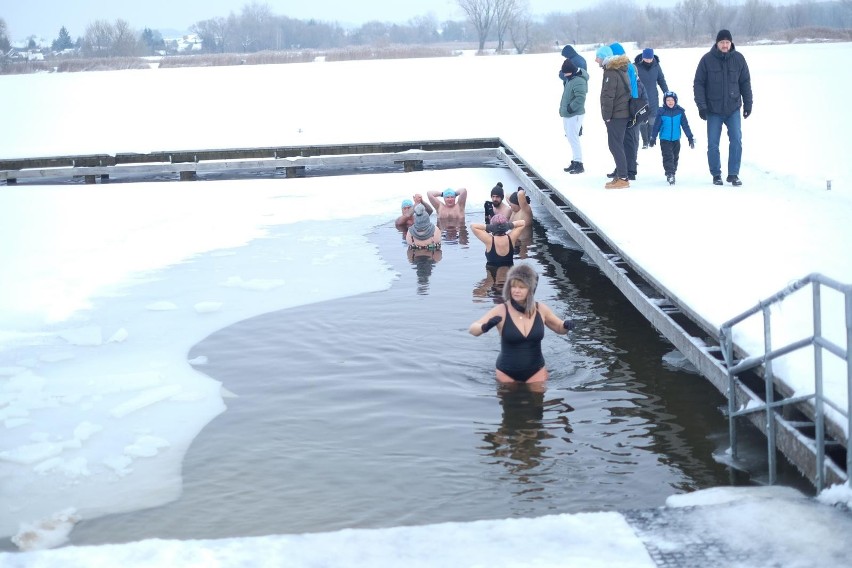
{"type": "Point", "coordinates": [617, 49]}
{"type": "Point", "coordinates": [647, 53]}
{"type": "Point", "coordinates": [603, 52]}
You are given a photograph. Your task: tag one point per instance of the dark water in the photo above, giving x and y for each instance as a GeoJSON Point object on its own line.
{"type": "Point", "coordinates": [381, 410]}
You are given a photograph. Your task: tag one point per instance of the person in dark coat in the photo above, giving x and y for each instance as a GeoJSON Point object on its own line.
{"type": "Point", "coordinates": [578, 60]}
{"type": "Point", "coordinates": [651, 74]}
{"type": "Point", "coordinates": [615, 110]}
{"type": "Point", "coordinates": [722, 86]}
{"type": "Point", "coordinates": [631, 135]}
{"type": "Point", "coordinates": [671, 119]}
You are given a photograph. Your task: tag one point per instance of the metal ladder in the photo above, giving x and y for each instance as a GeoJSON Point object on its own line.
{"type": "Point", "coordinates": [772, 402]}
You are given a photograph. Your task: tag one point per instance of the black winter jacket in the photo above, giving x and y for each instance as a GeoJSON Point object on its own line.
{"type": "Point", "coordinates": [651, 75]}
{"type": "Point", "coordinates": [722, 82]}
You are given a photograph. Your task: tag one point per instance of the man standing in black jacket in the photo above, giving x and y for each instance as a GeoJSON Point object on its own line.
{"type": "Point", "coordinates": [722, 85]}
{"type": "Point", "coordinates": [651, 74]}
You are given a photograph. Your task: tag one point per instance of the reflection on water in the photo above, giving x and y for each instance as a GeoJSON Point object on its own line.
{"type": "Point", "coordinates": [491, 287]}
{"type": "Point", "coordinates": [381, 410]}
{"type": "Point", "coordinates": [518, 443]}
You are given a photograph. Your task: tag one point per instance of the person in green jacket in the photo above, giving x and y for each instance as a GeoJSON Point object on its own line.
{"type": "Point", "coordinates": [572, 109]}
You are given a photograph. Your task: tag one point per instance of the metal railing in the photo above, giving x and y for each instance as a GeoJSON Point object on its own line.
{"type": "Point", "coordinates": [770, 405]}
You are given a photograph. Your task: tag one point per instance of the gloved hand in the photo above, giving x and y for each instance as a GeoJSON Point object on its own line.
{"type": "Point", "coordinates": [568, 324]}
{"type": "Point", "coordinates": [491, 323]}
{"type": "Point", "coordinates": [746, 112]}
{"type": "Point", "coordinates": [692, 143]}
{"type": "Point", "coordinates": [652, 142]}
{"type": "Point", "coordinates": [702, 114]}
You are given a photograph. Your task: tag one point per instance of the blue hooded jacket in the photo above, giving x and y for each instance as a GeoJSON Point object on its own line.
{"type": "Point", "coordinates": [569, 52]}
{"type": "Point", "coordinates": [669, 121]}
{"type": "Point", "coordinates": [631, 69]}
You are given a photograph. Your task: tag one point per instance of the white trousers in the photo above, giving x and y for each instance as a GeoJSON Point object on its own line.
{"type": "Point", "coordinates": [572, 126]}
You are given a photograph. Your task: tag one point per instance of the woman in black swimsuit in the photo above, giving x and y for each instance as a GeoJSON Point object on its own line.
{"type": "Point", "coordinates": [521, 322]}
{"type": "Point", "coordinates": [499, 249]}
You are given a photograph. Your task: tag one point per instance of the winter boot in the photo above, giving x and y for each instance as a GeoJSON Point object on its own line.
{"type": "Point", "coordinates": [578, 168]}
{"type": "Point", "coordinates": [734, 180]}
{"type": "Point", "coordinates": [670, 178]}
{"type": "Point", "coordinates": [613, 174]}
{"type": "Point", "coordinates": [717, 180]}
{"type": "Point", "coordinates": [570, 167]}
{"type": "Point", "coordinates": [617, 183]}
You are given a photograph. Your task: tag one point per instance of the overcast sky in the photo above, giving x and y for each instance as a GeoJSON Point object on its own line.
{"type": "Point", "coordinates": [43, 18]}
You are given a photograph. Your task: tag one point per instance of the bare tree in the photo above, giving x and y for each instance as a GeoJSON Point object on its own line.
{"type": "Point", "coordinates": [125, 41]}
{"type": "Point", "coordinates": [716, 17]}
{"type": "Point", "coordinates": [98, 39]}
{"type": "Point", "coordinates": [4, 38]}
{"type": "Point", "coordinates": [688, 14]}
{"type": "Point", "coordinates": [756, 16]}
{"type": "Point", "coordinates": [505, 13]}
{"type": "Point", "coordinates": [799, 15]}
{"type": "Point", "coordinates": [425, 28]}
{"type": "Point", "coordinates": [521, 31]}
{"type": "Point", "coordinates": [257, 27]}
{"type": "Point", "coordinates": [480, 13]}
{"type": "Point", "coordinates": [212, 34]}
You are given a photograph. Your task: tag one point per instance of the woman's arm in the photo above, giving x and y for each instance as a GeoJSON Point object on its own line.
{"type": "Point", "coordinates": [551, 320]}
{"type": "Point", "coordinates": [419, 199]}
{"type": "Point", "coordinates": [490, 319]}
{"type": "Point", "coordinates": [481, 233]}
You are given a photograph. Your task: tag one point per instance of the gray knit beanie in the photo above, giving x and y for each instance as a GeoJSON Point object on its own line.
{"type": "Point", "coordinates": [423, 229]}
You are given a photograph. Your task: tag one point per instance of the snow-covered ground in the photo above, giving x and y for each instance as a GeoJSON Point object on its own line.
{"type": "Point", "coordinates": [100, 299]}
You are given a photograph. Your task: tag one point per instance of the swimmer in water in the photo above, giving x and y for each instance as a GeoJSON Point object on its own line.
{"type": "Point", "coordinates": [422, 234]}
{"type": "Point", "coordinates": [499, 249]}
{"type": "Point", "coordinates": [521, 322]}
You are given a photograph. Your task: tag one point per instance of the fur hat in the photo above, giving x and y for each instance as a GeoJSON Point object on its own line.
{"type": "Point", "coordinates": [568, 67]}
{"type": "Point", "coordinates": [724, 34]}
{"type": "Point", "coordinates": [603, 52]}
{"type": "Point", "coordinates": [647, 53]}
{"type": "Point", "coordinates": [498, 190]}
{"type": "Point", "coordinates": [423, 228]}
{"type": "Point", "coordinates": [525, 274]}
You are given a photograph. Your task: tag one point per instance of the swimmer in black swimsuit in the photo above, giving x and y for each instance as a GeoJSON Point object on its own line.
{"type": "Point", "coordinates": [520, 321]}
{"type": "Point", "coordinates": [499, 249]}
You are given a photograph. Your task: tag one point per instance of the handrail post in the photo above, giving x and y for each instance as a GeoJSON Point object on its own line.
{"type": "Point", "coordinates": [726, 336]}
{"type": "Point", "coordinates": [769, 395]}
{"type": "Point", "coordinates": [848, 386]}
{"type": "Point", "coordinates": [819, 407]}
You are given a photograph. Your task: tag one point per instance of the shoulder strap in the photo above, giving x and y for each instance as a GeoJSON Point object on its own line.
{"type": "Point", "coordinates": [626, 84]}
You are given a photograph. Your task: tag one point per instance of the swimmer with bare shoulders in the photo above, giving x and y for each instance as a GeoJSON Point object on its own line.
{"type": "Point", "coordinates": [521, 322]}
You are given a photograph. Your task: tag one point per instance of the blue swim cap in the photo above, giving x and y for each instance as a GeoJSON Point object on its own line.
{"type": "Point", "coordinates": [407, 203]}
{"type": "Point", "coordinates": [449, 193]}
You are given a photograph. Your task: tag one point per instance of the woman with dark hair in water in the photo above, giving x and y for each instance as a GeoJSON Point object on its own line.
{"type": "Point", "coordinates": [521, 322]}
{"type": "Point", "coordinates": [499, 249]}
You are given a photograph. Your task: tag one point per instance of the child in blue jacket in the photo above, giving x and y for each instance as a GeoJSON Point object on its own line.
{"type": "Point", "coordinates": [670, 119]}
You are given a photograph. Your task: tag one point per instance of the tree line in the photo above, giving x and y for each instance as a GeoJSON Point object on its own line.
{"type": "Point", "coordinates": [504, 22]}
